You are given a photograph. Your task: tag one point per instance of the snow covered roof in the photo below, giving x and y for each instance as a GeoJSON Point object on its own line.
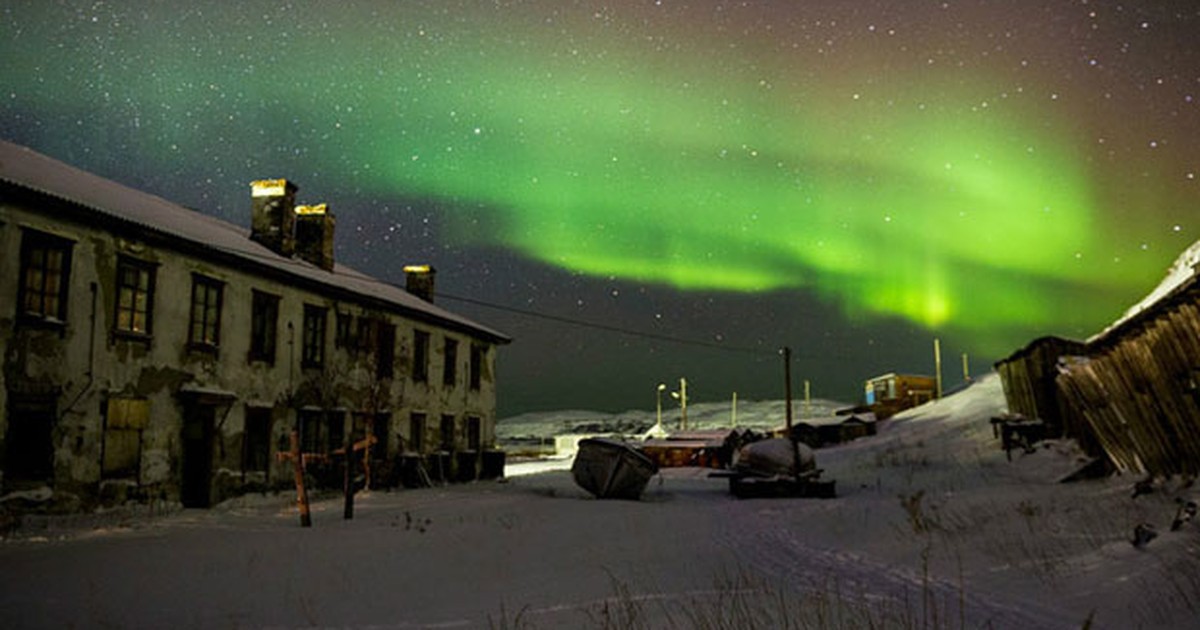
{"type": "Point", "coordinates": [26, 168]}
{"type": "Point", "coordinates": [1185, 270]}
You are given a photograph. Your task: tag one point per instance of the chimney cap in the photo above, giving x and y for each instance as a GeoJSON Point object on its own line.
{"type": "Point", "coordinates": [319, 208]}
{"type": "Point", "coordinates": [270, 187]}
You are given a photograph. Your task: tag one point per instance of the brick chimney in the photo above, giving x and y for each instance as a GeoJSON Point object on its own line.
{"type": "Point", "coordinates": [418, 280]}
{"type": "Point", "coordinates": [314, 235]}
{"type": "Point", "coordinates": [272, 218]}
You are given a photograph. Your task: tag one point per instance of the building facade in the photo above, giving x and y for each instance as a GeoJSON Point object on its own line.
{"type": "Point", "coordinates": [153, 353]}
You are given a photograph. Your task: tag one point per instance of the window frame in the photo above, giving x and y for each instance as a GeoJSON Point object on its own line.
{"type": "Point", "coordinates": [478, 356]}
{"type": "Point", "coordinates": [214, 289]}
{"type": "Point", "coordinates": [313, 336]}
{"type": "Point", "coordinates": [264, 327]}
{"type": "Point", "coordinates": [450, 363]}
{"type": "Point", "coordinates": [32, 241]}
{"type": "Point", "coordinates": [138, 266]}
{"type": "Point", "coordinates": [420, 357]}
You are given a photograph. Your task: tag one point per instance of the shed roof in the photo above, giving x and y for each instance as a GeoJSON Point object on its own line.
{"type": "Point", "coordinates": [1184, 273]}
{"type": "Point", "coordinates": [29, 169]}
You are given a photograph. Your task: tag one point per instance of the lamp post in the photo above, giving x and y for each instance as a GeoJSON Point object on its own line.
{"type": "Point", "coordinates": [658, 406]}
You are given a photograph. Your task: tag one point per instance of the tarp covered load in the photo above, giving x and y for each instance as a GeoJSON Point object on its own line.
{"type": "Point", "coordinates": [777, 456]}
{"type": "Point", "coordinates": [612, 470]}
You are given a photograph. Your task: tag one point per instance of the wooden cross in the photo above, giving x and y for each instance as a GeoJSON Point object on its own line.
{"type": "Point", "coordinates": [297, 458]}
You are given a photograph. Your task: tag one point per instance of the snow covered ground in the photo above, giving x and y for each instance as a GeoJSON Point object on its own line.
{"type": "Point", "coordinates": [932, 528]}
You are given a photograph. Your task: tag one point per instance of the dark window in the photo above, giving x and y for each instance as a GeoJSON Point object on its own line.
{"type": "Point", "coordinates": [135, 296]}
{"type": "Point", "coordinates": [205, 328]}
{"type": "Point", "coordinates": [45, 273]}
{"type": "Point", "coordinates": [256, 439]}
{"type": "Point", "coordinates": [385, 358]}
{"type": "Point", "coordinates": [450, 367]}
{"type": "Point", "coordinates": [447, 433]}
{"type": "Point", "coordinates": [313, 349]}
{"type": "Point", "coordinates": [365, 335]}
{"type": "Point", "coordinates": [474, 433]}
{"type": "Point", "coordinates": [420, 368]}
{"type": "Point", "coordinates": [322, 432]}
{"type": "Point", "coordinates": [416, 432]}
{"type": "Point", "coordinates": [343, 337]}
{"type": "Point", "coordinates": [336, 421]}
{"type": "Point", "coordinates": [264, 322]}
{"type": "Point", "coordinates": [375, 425]}
{"type": "Point", "coordinates": [476, 365]}
{"type": "Point", "coordinates": [314, 434]}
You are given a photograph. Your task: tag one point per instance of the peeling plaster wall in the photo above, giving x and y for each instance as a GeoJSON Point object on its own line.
{"type": "Point", "coordinates": [159, 367]}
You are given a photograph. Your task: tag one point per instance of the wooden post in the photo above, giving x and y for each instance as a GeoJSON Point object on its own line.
{"type": "Point", "coordinates": [807, 399]}
{"type": "Point", "coordinates": [683, 403]}
{"type": "Point", "coordinates": [298, 466]}
{"type": "Point", "coordinates": [966, 369]}
{"type": "Point", "coordinates": [348, 481]}
{"type": "Point", "coordinates": [733, 413]}
{"type": "Point", "coordinates": [369, 434]}
{"type": "Point", "coordinates": [937, 362]}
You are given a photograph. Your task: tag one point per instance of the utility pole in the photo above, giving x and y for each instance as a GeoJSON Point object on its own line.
{"type": "Point", "coordinates": [807, 399]}
{"type": "Point", "coordinates": [683, 401]}
{"type": "Point", "coordinates": [787, 390]}
{"type": "Point", "coordinates": [733, 413]}
{"type": "Point", "coordinates": [937, 362]}
{"type": "Point", "coordinates": [682, 396]}
{"type": "Point", "coordinates": [966, 369]}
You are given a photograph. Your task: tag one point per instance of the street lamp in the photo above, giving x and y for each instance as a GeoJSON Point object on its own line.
{"type": "Point", "coordinates": [658, 399]}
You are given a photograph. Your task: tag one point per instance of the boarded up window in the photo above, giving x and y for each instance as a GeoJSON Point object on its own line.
{"type": "Point", "coordinates": [125, 418]}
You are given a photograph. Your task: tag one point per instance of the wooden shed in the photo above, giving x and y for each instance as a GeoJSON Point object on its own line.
{"type": "Point", "coordinates": [1138, 387]}
{"type": "Point", "coordinates": [707, 449]}
{"type": "Point", "coordinates": [819, 432]}
{"type": "Point", "coordinates": [1131, 392]}
{"type": "Point", "coordinates": [1028, 376]}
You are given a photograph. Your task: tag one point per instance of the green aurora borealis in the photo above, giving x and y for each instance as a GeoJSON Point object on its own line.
{"type": "Point", "coordinates": [975, 168]}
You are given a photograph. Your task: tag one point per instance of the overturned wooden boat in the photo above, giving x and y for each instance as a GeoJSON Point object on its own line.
{"type": "Point", "coordinates": [610, 469]}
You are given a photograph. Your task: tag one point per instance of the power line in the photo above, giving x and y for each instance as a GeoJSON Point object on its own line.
{"type": "Point", "coordinates": [524, 312]}
{"type": "Point", "coordinates": [606, 327]}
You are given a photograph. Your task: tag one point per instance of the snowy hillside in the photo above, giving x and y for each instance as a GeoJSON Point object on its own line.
{"type": "Point", "coordinates": [752, 414]}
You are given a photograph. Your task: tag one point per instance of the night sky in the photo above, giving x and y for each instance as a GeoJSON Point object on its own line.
{"type": "Point", "coordinates": [851, 179]}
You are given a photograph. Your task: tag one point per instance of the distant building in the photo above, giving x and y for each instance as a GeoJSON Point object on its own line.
{"type": "Point", "coordinates": [151, 352]}
{"type": "Point", "coordinates": [891, 393]}
{"type": "Point", "coordinates": [820, 432]}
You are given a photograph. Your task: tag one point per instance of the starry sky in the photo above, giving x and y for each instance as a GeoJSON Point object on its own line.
{"type": "Point", "coordinates": [850, 179]}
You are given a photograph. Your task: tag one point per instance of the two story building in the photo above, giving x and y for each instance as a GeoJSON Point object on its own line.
{"type": "Point", "coordinates": [150, 352]}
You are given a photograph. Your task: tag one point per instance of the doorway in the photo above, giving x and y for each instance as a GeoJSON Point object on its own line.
{"type": "Point", "coordinates": [29, 440]}
{"type": "Point", "coordinates": [197, 446]}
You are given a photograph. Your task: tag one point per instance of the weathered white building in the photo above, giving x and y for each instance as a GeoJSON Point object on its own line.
{"type": "Point", "coordinates": [151, 352]}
